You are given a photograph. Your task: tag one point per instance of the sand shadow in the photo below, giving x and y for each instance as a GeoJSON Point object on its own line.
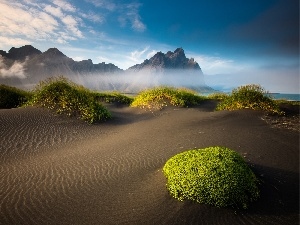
{"type": "Point", "coordinates": [279, 191]}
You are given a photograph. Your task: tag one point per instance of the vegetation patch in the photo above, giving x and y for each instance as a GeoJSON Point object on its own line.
{"type": "Point", "coordinates": [66, 97]}
{"type": "Point", "coordinates": [249, 97]}
{"type": "Point", "coordinates": [159, 97]}
{"type": "Point", "coordinates": [218, 96]}
{"type": "Point", "coordinates": [113, 97]}
{"type": "Point", "coordinates": [214, 175]}
{"type": "Point", "coordinates": [11, 97]}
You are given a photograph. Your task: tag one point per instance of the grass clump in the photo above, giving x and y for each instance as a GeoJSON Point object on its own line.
{"type": "Point", "coordinates": [162, 96]}
{"type": "Point", "coordinates": [11, 97]}
{"type": "Point", "coordinates": [218, 96]}
{"type": "Point", "coordinates": [213, 175]}
{"type": "Point", "coordinates": [113, 97]}
{"type": "Point", "coordinates": [250, 96]}
{"type": "Point", "coordinates": [284, 101]}
{"type": "Point", "coordinates": [66, 97]}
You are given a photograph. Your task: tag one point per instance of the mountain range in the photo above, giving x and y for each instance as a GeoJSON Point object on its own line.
{"type": "Point", "coordinates": [25, 66]}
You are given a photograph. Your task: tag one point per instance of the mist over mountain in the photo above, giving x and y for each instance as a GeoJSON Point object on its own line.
{"type": "Point", "coordinates": [24, 67]}
{"type": "Point", "coordinates": [171, 68]}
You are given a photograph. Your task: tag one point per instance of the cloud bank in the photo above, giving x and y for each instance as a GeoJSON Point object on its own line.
{"type": "Point", "coordinates": [51, 21]}
{"type": "Point", "coordinates": [59, 21]}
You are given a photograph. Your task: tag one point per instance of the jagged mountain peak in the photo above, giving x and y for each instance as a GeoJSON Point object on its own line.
{"type": "Point", "coordinates": [179, 51]}
{"type": "Point", "coordinates": [22, 52]}
{"type": "Point", "coordinates": [54, 52]}
{"type": "Point", "coordinates": [170, 60]}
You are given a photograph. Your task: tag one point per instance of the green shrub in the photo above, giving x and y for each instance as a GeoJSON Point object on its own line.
{"type": "Point", "coordinates": [113, 97]}
{"type": "Point", "coordinates": [66, 97]}
{"type": "Point", "coordinates": [214, 175]}
{"type": "Point", "coordinates": [218, 96]}
{"type": "Point", "coordinates": [284, 101]}
{"type": "Point", "coordinates": [11, 97]}
{"type": "Point", "coordinates": [162, 96]}
{"type": "Point", "coordinates": [249, 97]}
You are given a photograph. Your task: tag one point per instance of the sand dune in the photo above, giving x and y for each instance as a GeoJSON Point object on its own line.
{"type": "Point", "coordinates": [60, 170]}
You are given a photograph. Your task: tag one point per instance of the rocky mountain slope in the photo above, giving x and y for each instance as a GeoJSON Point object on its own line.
{"type": "Point", "coordinates": [171, 68]}
{"type": "Point", "coordinates": [170, 60]}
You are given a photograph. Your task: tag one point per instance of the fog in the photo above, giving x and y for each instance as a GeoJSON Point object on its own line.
{"type": "Point", "coordinates": [132, 82]}
{"type": "Point", "coordinates": [124, 81]}
{"type": "Point", "coordinates": [273, 80]}
{"type": "Point", "coordinates": [17, 69]}
{"type": "Point", "coordinates": [282, 80]}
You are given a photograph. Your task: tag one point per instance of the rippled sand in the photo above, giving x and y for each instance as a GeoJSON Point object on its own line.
{"type": "Point", "coordinates": [59, 170]}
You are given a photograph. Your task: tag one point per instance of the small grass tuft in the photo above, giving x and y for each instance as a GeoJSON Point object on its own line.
{"type": "Point", "coordinates": [66, 97]}
{"type": "Point", "coordinates": [159, 97]}
{"type": "Point", "coordinates": [250, 96]}
{"type": "Point", "coordinates": [214, 175]}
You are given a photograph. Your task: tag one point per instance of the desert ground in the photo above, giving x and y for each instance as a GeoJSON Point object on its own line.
{"type": "Point", "coordinates": [60, 170]}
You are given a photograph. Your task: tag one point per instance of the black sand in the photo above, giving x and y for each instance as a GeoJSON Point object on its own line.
{"type": "Point", "coordinates": [59, 170]}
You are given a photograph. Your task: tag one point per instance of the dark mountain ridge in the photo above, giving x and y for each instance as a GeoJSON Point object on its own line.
{"type": "Point", "coordinates": [20, 53]}
{"type": "Point", "coordinates": [170, 60]}
{"type": "Point", "coordinates": [35, 66]}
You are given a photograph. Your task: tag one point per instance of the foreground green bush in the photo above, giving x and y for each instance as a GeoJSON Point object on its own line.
{"type": "Point", "coordinates": [249, 97]}
{"type": "Point", "coordinates": [214, 175]}
{"type": "Point", "coordinates": [162, 96]}
{"type": "Point", "coordinates": [11, 97]}
{"type": "Point", "coordinates": [66, 97]}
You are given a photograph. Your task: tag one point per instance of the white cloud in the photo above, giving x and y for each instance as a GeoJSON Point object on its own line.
{"type": "Point", "coordinates": [5, 41]}
{"type": "Point", "coordinates": [70, 21]}
{"type": "Point", "coordinates": [72, 25]}
{"type": "Point", "coordinates": [137, 24]}
{"type": "Point", "coordinates": [30, 21]}
{"type": "Point", "coordinates": [93, 17]}
{"type": "Point", "coordinates": [32, 3]}
{"type": "Point", "coordinates": [135, 56]}
{"type": "Point", "coordinates": [152, 53]}
{"type": "Point", "coordinates": [110, 5]}
{"type": "Point", "coordinates": [64, 37]}
{"type": "Point", "coordinates": [130, 12]}
{"type": "Point", "coordinates": [59, 21]}
{"type": "Point", "coordinates": [106, 40]}
{"type": "Point", "coordinates": [66, 6]}
{"type": "Point", "coordinates": [55, 11]}
{"type": "Point", "coordinates": [211, 65]}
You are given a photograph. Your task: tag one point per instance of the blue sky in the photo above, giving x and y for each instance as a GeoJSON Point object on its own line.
{"type": "Point", "coordinates": [235, 42]}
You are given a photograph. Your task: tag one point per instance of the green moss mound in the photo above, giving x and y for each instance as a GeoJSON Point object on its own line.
{"type": "Point", "coordinates": [214, 175]}
{"type": "Point", "coordinates": [250, 96]}
{"type": "Point", "coordinates": [11, 97]}
{"type": "Point", "coordinates": [66, 97]}
{"type": "Point", "coordinates": [162, 96]}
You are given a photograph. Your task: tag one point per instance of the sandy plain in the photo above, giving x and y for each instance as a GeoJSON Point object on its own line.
{"type": "Point", "coordinates": [60, 170]}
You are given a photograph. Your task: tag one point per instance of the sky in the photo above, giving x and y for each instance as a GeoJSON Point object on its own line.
{"type": "Point", "coordinates": [235, 42]}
